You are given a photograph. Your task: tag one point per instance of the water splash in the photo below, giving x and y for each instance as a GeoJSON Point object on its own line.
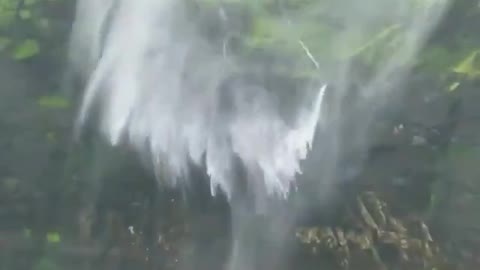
{"type": "Point", "coordinates": [178, 91]}
{"type": "Point", "coordinates": [155, 94]}
{"type": "Point", "coordinates": [165, 87]}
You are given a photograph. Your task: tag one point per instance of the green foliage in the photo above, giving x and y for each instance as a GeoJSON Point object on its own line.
{"type": "Point", "coordinates": [470, 66]}
{"type": "Point", "coordinates": [53, 237]}
{"type": "Point", "coordinates": [327, 41]}
{"type": "Point", "coordinates": [25, 25]}
{"type": "Point", "coordinates": [53, 102]}
{"type": "Point", "coordinates": [26, 49]}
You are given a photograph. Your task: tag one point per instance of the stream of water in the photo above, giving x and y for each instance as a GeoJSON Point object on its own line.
{"type": "Point", "coordinates": [160, 82]}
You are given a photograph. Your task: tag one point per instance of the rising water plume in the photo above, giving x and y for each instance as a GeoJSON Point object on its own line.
{"type": "Point", "coordinates": [176, 80]}
{"type": "Point", "coordinates": [164, 86]}
{"type": "Point", "coordinates": [161, 90]}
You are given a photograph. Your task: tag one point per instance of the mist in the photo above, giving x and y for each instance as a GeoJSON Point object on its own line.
{"type": "Point", "coordinates": [175, 82]}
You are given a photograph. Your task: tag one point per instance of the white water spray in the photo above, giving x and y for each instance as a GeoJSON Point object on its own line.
{"type": "Point", "coordinates": [156, 95]}
{"type": "Point", "coordinates": [175, 94]}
